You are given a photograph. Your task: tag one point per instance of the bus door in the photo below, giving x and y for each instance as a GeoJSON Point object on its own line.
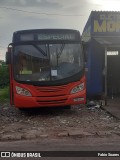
{"type": "Point", "coordinates": [11, 86]}
{"type": "Point", "coordinates": [8, 62]}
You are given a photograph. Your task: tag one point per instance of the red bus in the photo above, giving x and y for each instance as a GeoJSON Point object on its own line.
{"type": "Point", "coordinates": [46, 68]}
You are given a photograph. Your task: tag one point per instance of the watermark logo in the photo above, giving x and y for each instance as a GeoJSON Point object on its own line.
{"type": "Point", "coordinates": [5, 154]}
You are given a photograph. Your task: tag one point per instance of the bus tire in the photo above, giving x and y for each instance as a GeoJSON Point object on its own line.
{"type": "Point", "coordinates": [22, 109]}
{"type": "Point", "coordinates": [67, 107]}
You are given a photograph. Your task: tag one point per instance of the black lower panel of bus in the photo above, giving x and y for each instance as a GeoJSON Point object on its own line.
{"type": "Point", "coordinates": [113, 75]}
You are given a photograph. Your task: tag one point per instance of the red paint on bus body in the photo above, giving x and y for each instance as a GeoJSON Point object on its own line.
{"type": "Point", "coordinates": [49, 96]}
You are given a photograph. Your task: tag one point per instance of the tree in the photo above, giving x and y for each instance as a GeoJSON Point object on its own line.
{"type": "Point", "coordinates": [4, 75]}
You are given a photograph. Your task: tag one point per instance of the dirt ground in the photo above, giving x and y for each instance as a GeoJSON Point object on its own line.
{"type": "Point", "coordinates": [79, 121]}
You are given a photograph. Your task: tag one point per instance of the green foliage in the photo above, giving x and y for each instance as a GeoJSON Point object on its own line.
{"type": "Point", "coordinates": [4, 75]}
{"type": "Point", "coordinates": [4, 94]}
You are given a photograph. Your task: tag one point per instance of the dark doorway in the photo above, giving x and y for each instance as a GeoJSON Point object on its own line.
{"type": "Point", "coordinates": [113, 72]}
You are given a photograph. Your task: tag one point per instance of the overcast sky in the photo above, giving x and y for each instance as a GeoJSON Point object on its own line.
{"type": "Point", "coordinates": [36, 14]}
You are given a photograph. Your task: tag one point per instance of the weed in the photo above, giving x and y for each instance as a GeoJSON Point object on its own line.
{"type": "Point", "coordinates": [4, 94]}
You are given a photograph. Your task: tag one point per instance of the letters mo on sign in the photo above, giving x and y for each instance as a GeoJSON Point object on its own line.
{"type": "Point", "coordinates": [107, 23]}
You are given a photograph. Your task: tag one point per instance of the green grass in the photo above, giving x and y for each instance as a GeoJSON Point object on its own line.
{"type": "Point", "coordinates": [4, 94]}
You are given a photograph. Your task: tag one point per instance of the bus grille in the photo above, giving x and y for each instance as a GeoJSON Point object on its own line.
{"type": "Point", "coordinates": [51, 102]}
{"type": "Point", "coordinates": [52, 95]}
{"type": "Point", "coordinates": [52, 88]}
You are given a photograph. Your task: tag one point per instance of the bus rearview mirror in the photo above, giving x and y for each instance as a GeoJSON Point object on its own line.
{"type": "Point", "coordinates": [8, 58]}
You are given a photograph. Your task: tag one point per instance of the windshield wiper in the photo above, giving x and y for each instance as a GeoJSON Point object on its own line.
{"type": "Point", "coordinates": [61, 50]}
{"type": "Point", "coordinates": [40, 49]}
{"type": "Point", "coordinates": [58, 54]}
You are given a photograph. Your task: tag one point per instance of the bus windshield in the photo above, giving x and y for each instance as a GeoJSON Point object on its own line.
{"type": "Point", "coordinates": [47, 62]}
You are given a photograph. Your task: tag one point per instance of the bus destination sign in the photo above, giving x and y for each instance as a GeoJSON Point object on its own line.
{"type": "Point", "coordinates": [56, 37]}
{"type": "Point", "coordinates": [47, 37]}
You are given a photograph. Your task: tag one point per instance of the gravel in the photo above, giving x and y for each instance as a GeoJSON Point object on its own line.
{"type": "Point", "coordinates": [44, 122]}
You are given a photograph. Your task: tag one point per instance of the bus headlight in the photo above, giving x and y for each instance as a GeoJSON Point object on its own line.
{"type": "Point", "coordinates": [23, 91]}
{"type": "Point", "coordinates": [78, 88]}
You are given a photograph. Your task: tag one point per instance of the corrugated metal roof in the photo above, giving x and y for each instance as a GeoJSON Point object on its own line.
{"type": "Point", "coordinates": [108, 41]}
{"type": "Point", "coordinates": [105, 12]}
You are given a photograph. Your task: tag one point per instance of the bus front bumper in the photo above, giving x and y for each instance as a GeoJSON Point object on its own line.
{"type": "Point", "coordinates": [32, 102]}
